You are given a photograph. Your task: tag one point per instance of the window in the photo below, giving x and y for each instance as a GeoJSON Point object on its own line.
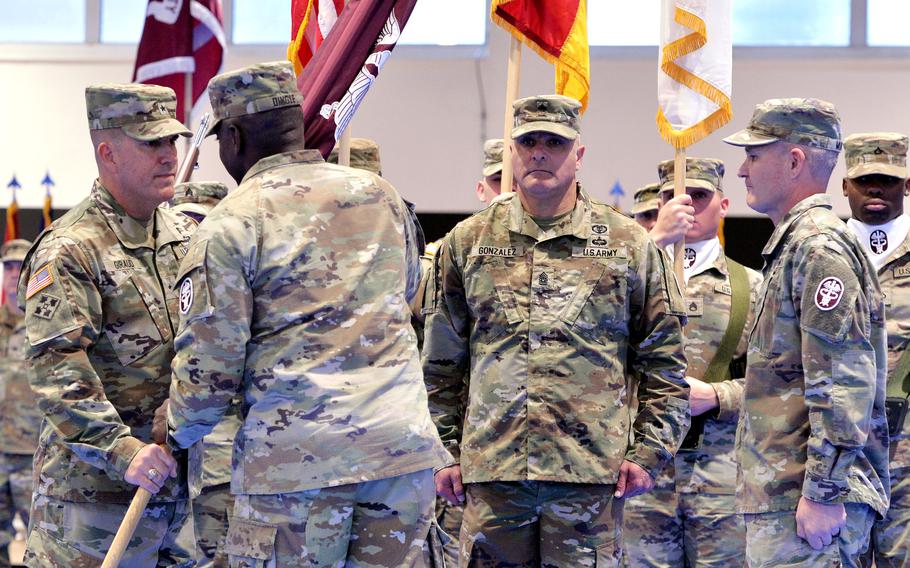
{"type": "Point", "coordinates": [886, 23]}
{"type": "Point", "coordinates": [122, 20]}
{"type": "Point", "coordinates": [43, 21]}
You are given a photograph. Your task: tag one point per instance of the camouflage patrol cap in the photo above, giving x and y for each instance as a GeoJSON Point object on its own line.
{"type": "Point", "coordinates": [14, 250]}
{"type": "Point", "coordinates": [556, 114]}
{"type": "Point", "coordinates": [492, 156]}
{"type": "Point", "coordinates": [809, 122]}
{"type": "Point", "coordinates": [142, 112]}
{"type": "Point", "coordinates": [646, 199]}
{"type": "Point", "coordinates": [256, 88]}
{"type": "Point", "coordinates": [876, 153]}
{"type": "Point", "coordinates": [199, 191]}
{"type": "Point", "coordinates": [364, 155]}
{"type": "Point", "coordinates": [704, 173]}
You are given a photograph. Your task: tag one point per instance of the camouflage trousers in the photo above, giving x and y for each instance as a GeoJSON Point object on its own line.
{"type": "Point", "coordinates": [211, 511]}
{"type": "Point", "coordinates": [541, 523]}
{"type": "Point", "coordinates": [448, 517]}
{"type": "Point", "coordinates": [63, 534]}
{"type": "Point", "coordinates": [382, 523]}
{"type": "Point", "coordinates": [890, 542]}
{"type": "Point", "coordinates": [663, 529]}
{"type": "Point", "coordinates": [15, 492]}
{"type": "Point", "coordinates": [771, 541]}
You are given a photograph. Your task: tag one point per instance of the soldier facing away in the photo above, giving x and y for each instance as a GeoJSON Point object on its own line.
{"type": "Point", "coordinates": [690, 518]}
{"type": "Point", "coordinates": [100, 315]}
{"type": "Point", "coordinates": [541, 307]}
{"type": "Point", "coordinates": [294, 296]}
{"type": "Point", "coordinates": [875, 185]}
{"type": "Point", "coordinates": [20, 418]}
{"type": "Point", "coordinates": [813, 444]}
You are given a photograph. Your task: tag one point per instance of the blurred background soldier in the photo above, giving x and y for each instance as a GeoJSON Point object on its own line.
{"type": "Point", "coordinates": [490, 185]}
{"type": "Point", "coordinates": [541, 310]}
{"type": "Point", "coordinates": [690, 518]}
{"type": "Point", "coordinates": [197, 198]}
{"type": "Point", "coordinates": [306, 317]}
{"type": "Point", "coordinates": [20, 418]}
{"type": "Point", "coordinates": [646, 204]}
{"type": "Point", "coordinates": [100, 314]}
{"type": "Point", "coordinates": [875, 185]}
{"type": "Point", "coordinates": [813, 438]}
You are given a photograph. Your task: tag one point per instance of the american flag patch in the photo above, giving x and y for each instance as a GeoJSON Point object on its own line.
{"type": "Point", "coordinates": [39, 281]}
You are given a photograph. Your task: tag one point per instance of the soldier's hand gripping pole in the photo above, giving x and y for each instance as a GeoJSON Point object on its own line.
{"type": "Point", "coordinates": [192, 154]}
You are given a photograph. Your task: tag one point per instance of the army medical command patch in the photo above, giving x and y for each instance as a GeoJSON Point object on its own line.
{"type": "Point", "coordinates": [829, 293]}
{"type": "Point", "coordinates": [186, 296]}
{"type": "Point", "coordinates": [39, 281]}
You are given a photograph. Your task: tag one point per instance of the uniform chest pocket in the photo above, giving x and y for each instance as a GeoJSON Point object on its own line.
{"type": "Point", "coordinates": [134, 322]}
{"type": "Point", "coordinates": [491, 297]}
{"type": "Point", "coordinates": [776, 328]}
{"type": "Point", "coordinates": [599, 307]}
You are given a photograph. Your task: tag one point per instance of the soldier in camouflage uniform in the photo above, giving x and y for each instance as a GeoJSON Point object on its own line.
{"type": "Point", "coordinates": [875, 185]}
{"type": "Point", "coordinates": [364, 155]}
{"type": "Point", "coordinates": [813, 439]}
{"type": "Point", "coordinates": [294, 296]}
{"type": "Point", "coordinates": [195, 199]}
{"type": "Point", "coordinates": [544, 307]}
{"type": "Point", "coordinates": [646, 205]}
{"type": "Point", "coordinates": [489, 187]}
{"type": "Point", "coordinates": [690, 518]}
{"type": "Point", "coordinates": [100, 315]}
{"type": "Point", "coordinates": [20, 419]}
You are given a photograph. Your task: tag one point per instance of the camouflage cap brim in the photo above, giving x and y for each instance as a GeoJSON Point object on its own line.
{"type": "Point", "coordinates": [747, 137]}
{"type": "Point", "coordinates": [690, 182]}
{"type": "Point", "coordinates": [868, 168]}
{"type": "Point", "coordinates": [562, 130]}
{"type": "Point", "coordinates": [191, 208]}
{"type": "Point", "coordinates": [645, 206]}
{"type": "Point", "coordinates": [155, 130]}
{"type": "Point", "coordinates": [492, 169]}
{"type": "Point", "coordinates": [213, 129]}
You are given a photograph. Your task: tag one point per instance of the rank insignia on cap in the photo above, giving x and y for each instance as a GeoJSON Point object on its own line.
{"type": "Point", "coordinates": [46, 306]}
{"type": "Point", "coordinates": [878, 151]}
{"type": "Point", "coordinates": [41, 280]}
{"type": "Point", "coordinates": [829, 293]}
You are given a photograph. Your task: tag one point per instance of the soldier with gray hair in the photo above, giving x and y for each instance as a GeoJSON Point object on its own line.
{"type": "Point", "coordinates": [100, 314]}
{"type": "Point", "coordinates": [875, 185]}
{"type": "Point", "coordinates": [546, 312]}
{"type": "Point", "coordinates": [294, 296]}
{"type": "Point", "coordinates": [813, 443]}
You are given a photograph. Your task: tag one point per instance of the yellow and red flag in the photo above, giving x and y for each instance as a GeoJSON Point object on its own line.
{"type": "Point", "coordinates": [311, 21]}
{"type": "Point", "coordinates": [558, 31]}
{"type": "Point", "coordinates": [695, 79]}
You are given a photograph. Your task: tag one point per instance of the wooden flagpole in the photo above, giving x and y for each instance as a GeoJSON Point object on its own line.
{"type": "Point", "coordinates": [344, 147]}
{"type": "Point", "coordinates": [512, 83]}
{"type": "Point", "coordinates": [679, 188]}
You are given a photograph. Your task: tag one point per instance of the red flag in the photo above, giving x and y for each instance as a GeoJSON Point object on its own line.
{"type": "Point", "coordinates": [558, 31]}
{"type": "Point", "coordinates": [337, 78]}
{"type": "Point", "coordinates": [180, 37]}
{"type": "Point", "coordinates": [311, 21]}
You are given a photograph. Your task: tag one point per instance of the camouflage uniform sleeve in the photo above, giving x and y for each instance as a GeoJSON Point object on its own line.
{"type": "Point", "coordinates": [657, 357]}
{"type": "Point", "coordinates": [216, 306]}
{"type": "Point", "coordinates": [730, 393]}
{"type": "Point", "coordinates": [838, 364]}
{"type": "Point", "coordinates": [413, 239]}
{"type": "Point", "coordinates": [63, 321]}
{"type": "Point", "coordinates": [445, 348]}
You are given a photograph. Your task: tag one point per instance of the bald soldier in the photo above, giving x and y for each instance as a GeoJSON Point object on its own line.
{"type": "Point", "coordinates": [875, 185]}
{"type": "Point", "coordinates": [690, 518]}
{"type": "Point", "coordinates": [548, 310]}
{"type": "Point", "coordinates": [646, 205]}
{"type": "Point", "coordinates": [294, 296]}
{"type": "Point", "coordinates": [813, 440]}
{"type": "Point", "coordinates": [100, 314]}
{"type": "Point", "coordinates": [20, 418]}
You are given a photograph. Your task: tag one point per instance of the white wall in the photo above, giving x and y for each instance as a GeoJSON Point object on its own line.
{"type": "Point", "coordinates": [426, 113]}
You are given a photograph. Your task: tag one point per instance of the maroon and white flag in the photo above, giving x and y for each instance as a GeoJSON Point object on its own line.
{"type": "Point", "coordinates": [343, 69]}
{"type": "Point", "coordinates": [180, 37]}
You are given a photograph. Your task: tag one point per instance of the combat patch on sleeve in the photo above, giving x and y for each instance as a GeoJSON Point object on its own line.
{"type": "Point", "coordinates": [41, 279]}
{"type": "Point", "coordinates": [46, 306]}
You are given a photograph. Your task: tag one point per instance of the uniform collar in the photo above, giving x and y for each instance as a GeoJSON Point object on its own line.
{"type": "Point", "coordinates": [579, 224]}
{"type": "Point", "coordinates": [780, 231]}
{"type": "Point", "coordinates": [131, 232]}
{"type": "Point", "coordinates": [296, 156]}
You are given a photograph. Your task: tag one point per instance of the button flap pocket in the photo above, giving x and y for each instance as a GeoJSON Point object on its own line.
{"type": "Point", "coordinates": [250, 539]}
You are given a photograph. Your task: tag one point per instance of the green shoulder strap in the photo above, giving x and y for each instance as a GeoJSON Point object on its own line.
{"type": "Point", "coordinates": [719, 369]}
{"type": "Point", "coordinates": [899, 378]}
